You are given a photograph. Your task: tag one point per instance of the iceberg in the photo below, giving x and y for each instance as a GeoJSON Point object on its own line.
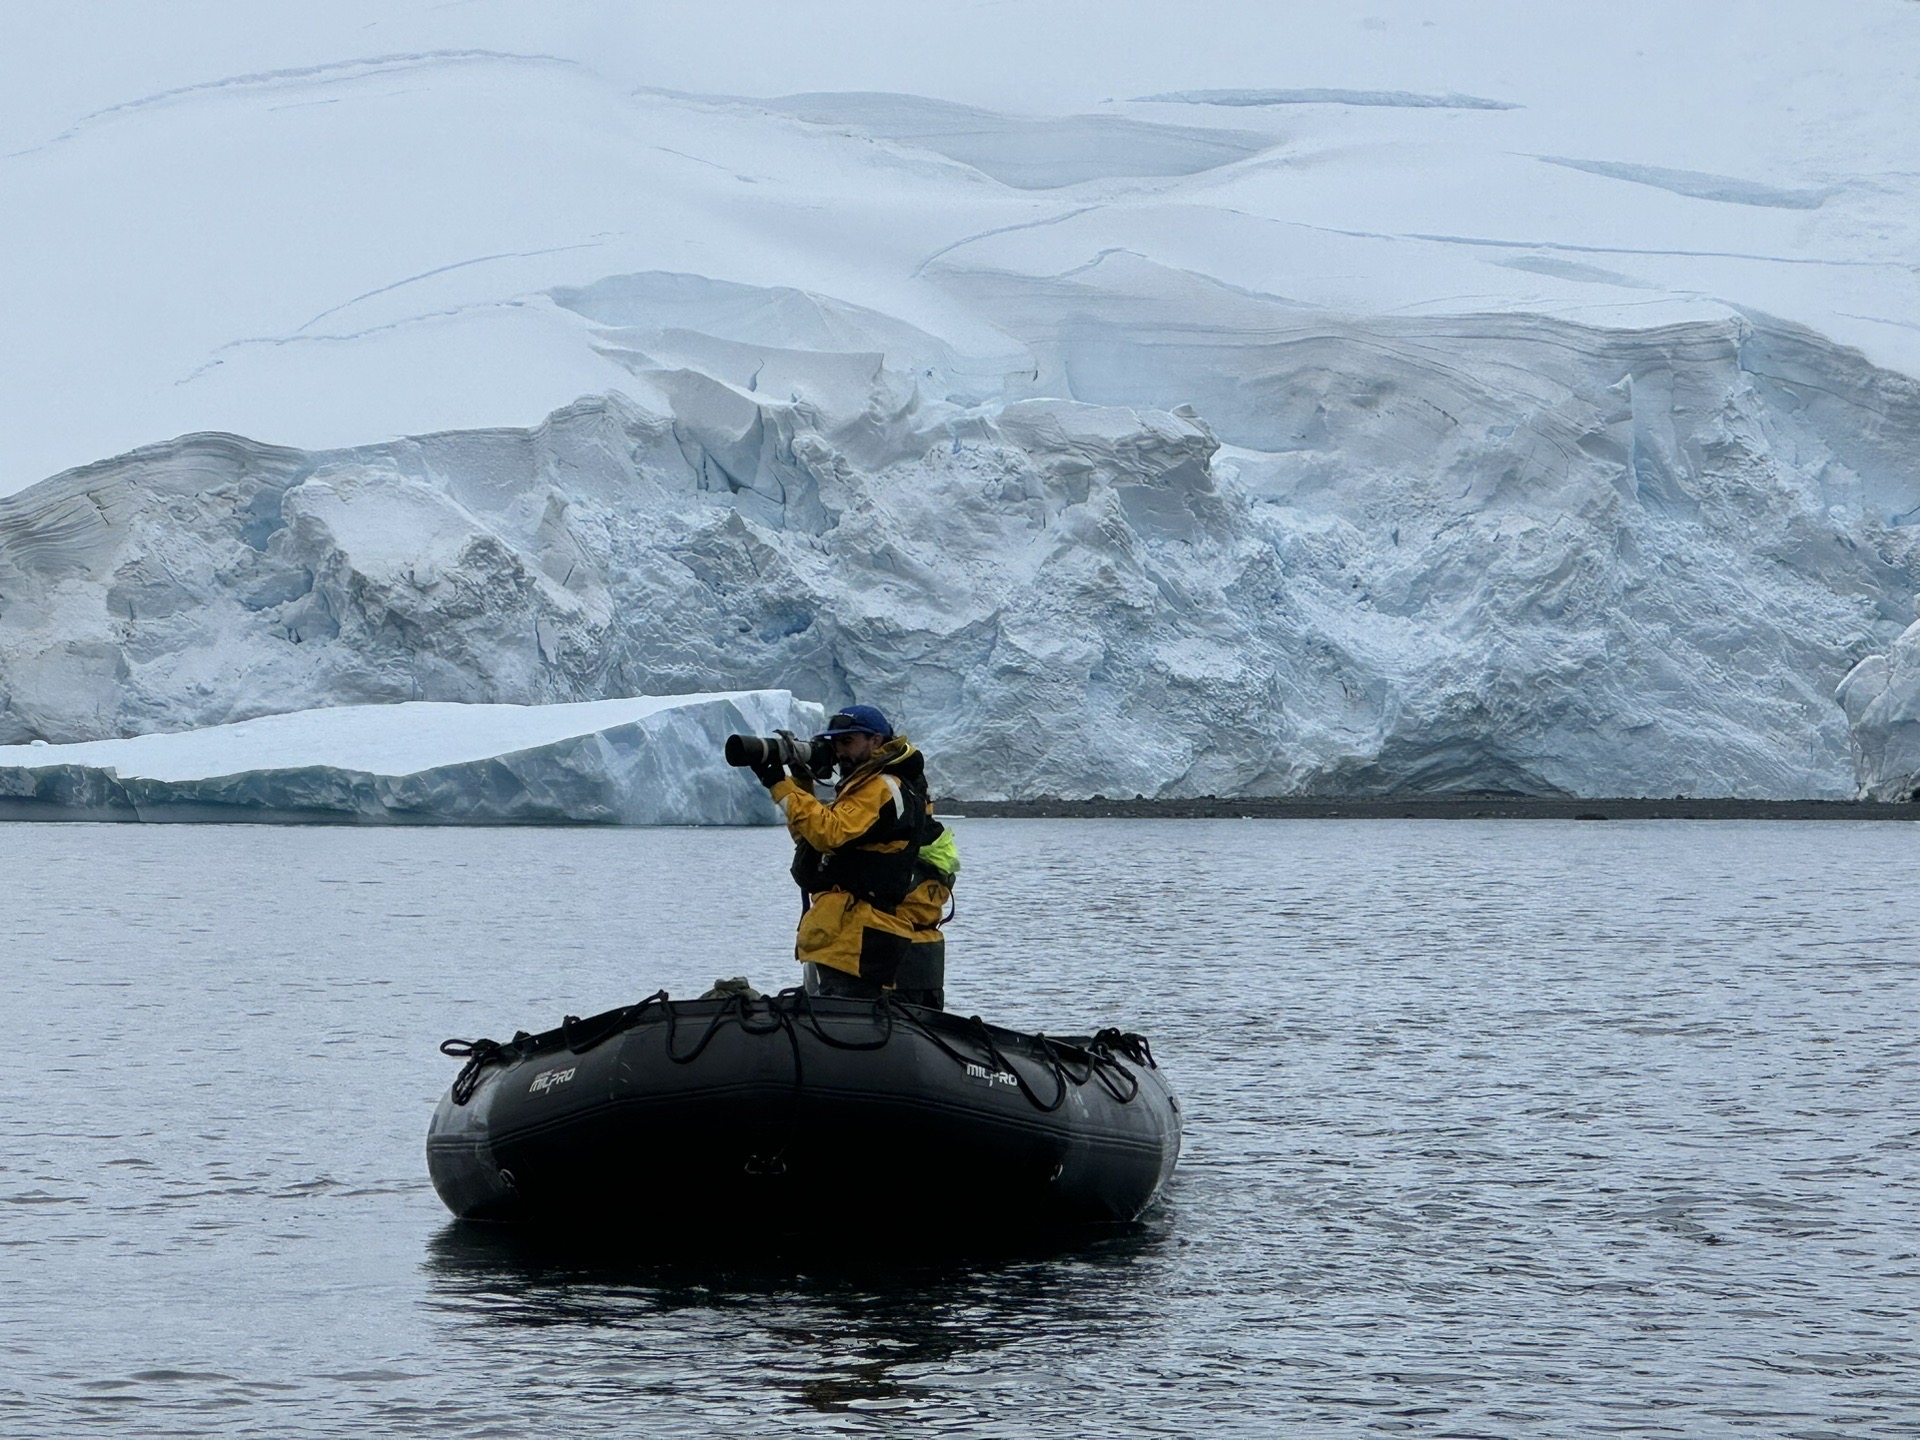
{"type": "Point", "coordinates": [648, 760]}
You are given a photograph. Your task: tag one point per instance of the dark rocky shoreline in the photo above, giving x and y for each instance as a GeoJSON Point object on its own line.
{"type": "Point", "coordinates": [1427, 807]}
{"type": "Point", "coordinates": [1205, 807]}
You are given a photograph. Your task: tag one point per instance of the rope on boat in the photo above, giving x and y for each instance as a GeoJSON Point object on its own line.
{"type": "Point", "coordinates": [611, 1024]}
{"type": "Point", "coordinates": [1134, 1047]}
{"type": "Point", "coordinates": [478, 1054]}
{"type": "Point", "coordinates": [802, 1001]}
{"type": "Point", "coordinates": [739, 1008]}
{"type": "Point", "coordinates": [1101, 1054]}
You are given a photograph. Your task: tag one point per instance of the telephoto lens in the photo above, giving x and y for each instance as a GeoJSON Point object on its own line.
{"type": "Point", "coordinates": [815, 756]}
{"type": "Point", "coordinates": [750, 750]}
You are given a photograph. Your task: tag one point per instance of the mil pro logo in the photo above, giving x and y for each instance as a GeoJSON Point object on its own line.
{"type": "Point", "coordinates": [992, 1077]}
{"type": "Point", "coordinates": [547, 1079]}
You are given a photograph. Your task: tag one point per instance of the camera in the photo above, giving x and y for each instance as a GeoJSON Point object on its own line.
{"type": "Point", "coordinates": [784, 748]}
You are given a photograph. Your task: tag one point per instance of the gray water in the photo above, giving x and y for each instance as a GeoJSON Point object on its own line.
{"type": "Point", "coordinates": [1493, 1129]}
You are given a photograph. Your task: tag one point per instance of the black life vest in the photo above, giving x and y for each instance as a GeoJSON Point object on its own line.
{"type": "Point", "coordinates": [880, 876]}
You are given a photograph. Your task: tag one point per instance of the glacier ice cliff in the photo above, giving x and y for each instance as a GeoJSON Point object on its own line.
{"type": "Point", "coordinates": [640, 761]}
{"type": "Point", "coordinates": [1229, 547]}
{"type": "Point", "coordinates": [1881, 696]}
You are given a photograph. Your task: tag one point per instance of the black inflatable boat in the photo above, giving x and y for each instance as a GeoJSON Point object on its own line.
{"type": "Point", "coordinates": [793, 1113]}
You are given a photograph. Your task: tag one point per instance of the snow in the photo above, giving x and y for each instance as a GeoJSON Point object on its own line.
{"type": "Point", "coordinates": [647, 760]}
{"type": "Point", "coordinates": [1443, 395]}
{"type": "Point", "coordinates": [339, 227]}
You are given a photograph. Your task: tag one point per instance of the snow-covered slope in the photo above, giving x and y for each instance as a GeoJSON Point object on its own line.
{"type": "Point", "coordinates": [643, 761]}
{"type": "Point", "coordinates": [350, 222]}
{"type": "Point", "coordinates": [1556, 360]}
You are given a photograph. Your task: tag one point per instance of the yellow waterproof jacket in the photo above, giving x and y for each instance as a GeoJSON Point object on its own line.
{"type": "Point", "coordinates": [872, 899]}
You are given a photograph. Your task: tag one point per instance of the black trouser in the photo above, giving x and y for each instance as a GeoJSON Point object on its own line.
{"type": "Point", "coordinates": [912, 985]}
{"type": "Point", "coordinates": [922, 978]}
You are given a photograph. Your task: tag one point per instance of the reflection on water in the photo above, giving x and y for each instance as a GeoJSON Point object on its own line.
{"type": "Point", "coordinates": [843, 1325]}
{"type": "Point", "coordinates": [1492, 1130]}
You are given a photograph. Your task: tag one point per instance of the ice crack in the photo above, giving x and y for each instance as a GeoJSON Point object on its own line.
{"type": "Point", "coordinates": [331, 70]}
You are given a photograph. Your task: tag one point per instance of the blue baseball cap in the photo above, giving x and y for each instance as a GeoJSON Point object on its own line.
{"type": "Point", "coordinates": [857, 720]}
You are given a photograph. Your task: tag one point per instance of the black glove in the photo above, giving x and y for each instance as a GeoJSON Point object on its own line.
{"type": "Point", "coordinates": [770, 774]}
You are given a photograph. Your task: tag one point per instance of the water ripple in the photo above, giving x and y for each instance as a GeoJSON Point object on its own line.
{"type": "Point", "coordinates": [1494, 1130]}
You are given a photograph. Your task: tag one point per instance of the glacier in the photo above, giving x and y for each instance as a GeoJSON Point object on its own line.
{"type": "Point", "coordinates": [1461, 397]}
{"type": "Point", "coordinates": [1616, 564]}
{"type": "Point", "coordinates": [1881, 697]}
{"type": "Point", "coordinates": [639, 761]}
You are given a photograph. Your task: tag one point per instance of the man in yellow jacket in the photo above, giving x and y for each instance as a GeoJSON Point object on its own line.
{"type": "Point", "coordinates": [876, 867]}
